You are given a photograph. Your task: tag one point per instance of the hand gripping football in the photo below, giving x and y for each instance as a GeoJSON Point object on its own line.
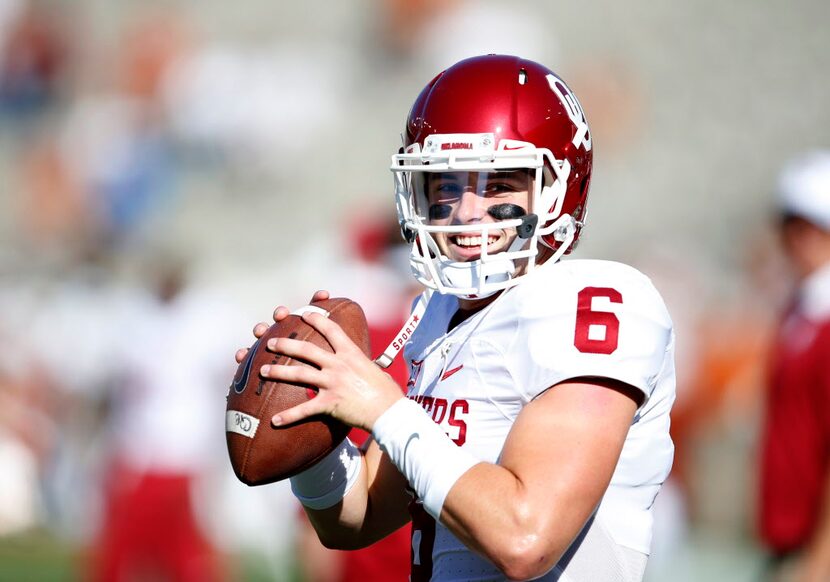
{"type": "Point", "coordinates": [259, 452]}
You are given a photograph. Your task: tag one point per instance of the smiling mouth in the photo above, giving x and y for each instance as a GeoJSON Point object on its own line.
{"type": "Point", "coordinates": [472, 242]}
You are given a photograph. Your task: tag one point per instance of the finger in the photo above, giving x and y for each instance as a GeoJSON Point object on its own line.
{"type": "Point", "coordinates": [300, 350]}
{"type": "Point", "coordinates": [292, 374]}
{"type": "Point", "coordinates": [281, 313]}
{"type": "Point", "coordinates": [240, 355]}
{"type": "Point", "coordinates": [320, 295]}
{"type": "Point", "coordinates": [298, 413]}
{"type": "Point", "coordinates": [330, 330]}
{"type": "Point", "coordinates": [260, 329]}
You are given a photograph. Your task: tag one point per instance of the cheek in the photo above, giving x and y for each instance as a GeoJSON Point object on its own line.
{"type": "Point", "coordinates": [439, 213]}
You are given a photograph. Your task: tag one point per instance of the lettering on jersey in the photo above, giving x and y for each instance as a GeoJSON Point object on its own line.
{"type": "Point", "coordinates": [582, 136]}
{"type": "Point", "coordinates": [458, 411]}
{"type": "Point", "coordinates": [439, 409]}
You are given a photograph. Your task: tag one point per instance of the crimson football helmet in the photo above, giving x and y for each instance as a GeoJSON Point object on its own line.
{"type": "Point", "coordinates": [485, 115]}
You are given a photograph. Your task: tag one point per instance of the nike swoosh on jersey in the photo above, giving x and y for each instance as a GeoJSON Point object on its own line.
{"type": "Point", "coordinates": [449, 373]}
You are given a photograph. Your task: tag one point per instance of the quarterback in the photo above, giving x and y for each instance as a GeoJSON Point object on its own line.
{"type": "Point", "coordinates": [534, 435]}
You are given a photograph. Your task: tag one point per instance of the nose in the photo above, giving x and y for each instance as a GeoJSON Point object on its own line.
{"type": "Point", "coordinates": [471, 208]}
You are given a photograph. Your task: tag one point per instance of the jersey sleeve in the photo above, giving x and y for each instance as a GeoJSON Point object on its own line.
{"type": "Point", "coordinates": [592, 319]}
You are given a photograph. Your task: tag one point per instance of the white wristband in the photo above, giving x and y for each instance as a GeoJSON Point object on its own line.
{"type": "Point", "coordinates": [422, 452]}
{"type": "Point", "coordinates": [328, 481]}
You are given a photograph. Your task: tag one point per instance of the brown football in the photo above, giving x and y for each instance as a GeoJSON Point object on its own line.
{"type": "Point", "coordinates": [259, 452]}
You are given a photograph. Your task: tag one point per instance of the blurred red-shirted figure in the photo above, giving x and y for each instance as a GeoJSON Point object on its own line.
{"type": "Point", "coordinates": [794, 511]}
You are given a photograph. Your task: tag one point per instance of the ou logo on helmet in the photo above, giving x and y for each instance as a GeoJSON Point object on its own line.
{"type": "Point", "coordinates": [582, 136]}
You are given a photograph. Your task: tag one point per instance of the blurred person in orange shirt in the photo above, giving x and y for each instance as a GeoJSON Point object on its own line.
{"type": "Point", "coordinates": [794, 501]}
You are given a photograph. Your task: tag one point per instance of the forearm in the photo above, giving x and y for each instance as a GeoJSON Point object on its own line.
{"type": "Point", "coordinates": [373, 507]}
{"type": "Point", "coordinates": [342, 525]}
{"type": "Point", "coordinates": [523, 513]}
{"type": "Point", "coordinates": [491, 512]}
{"type": "Point", "coordinates": [486, 506]}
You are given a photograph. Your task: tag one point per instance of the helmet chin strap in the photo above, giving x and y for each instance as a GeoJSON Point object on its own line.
{"type": "Point", "coordinates": [468, 274]}
{"type": "Point", "coordinates": [499, 270]}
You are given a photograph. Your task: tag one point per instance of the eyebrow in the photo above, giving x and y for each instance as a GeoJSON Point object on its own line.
{"type": "Point", "coordinates": [501, 174]}
{"type": "Point", "coordinates": [519, 173]}
{"type": "Point", "coordinates": [441, 176]}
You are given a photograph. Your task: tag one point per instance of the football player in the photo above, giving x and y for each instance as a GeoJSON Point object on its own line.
{"type": "Point", "coordinates": [535, 433]}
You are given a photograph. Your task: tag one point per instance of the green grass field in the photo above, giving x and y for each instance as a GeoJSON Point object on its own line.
{"type": "Point", "coordinates": [38, 556]}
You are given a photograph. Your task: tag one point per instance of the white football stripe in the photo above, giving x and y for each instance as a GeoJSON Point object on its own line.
{"type": "Point", "coordinates": [241, 423]}
{"type": "Point", "coordinates": [310, 309]}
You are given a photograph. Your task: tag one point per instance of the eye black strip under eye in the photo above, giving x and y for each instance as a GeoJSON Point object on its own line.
{"type": "Point", "coordinates": [439, 211]}
{"type": "Point", "coordinates": [506, 211]}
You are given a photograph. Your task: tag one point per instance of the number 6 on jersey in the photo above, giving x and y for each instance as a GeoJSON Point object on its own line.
{"type": "Point", "coordinates": [587, 318]}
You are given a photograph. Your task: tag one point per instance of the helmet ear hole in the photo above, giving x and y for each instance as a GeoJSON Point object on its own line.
{"type": "Point", "coordinates": [583, 186]}
{"type": "Point", "coordinates": [547, 175]}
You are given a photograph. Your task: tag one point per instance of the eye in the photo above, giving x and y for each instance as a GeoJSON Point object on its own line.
{"type": "Point", "coordinates": [498, 187]}
{"type": "Point", "coordinates": [448, 187]}
{"type": "Point", "coordinates": [446, 192]}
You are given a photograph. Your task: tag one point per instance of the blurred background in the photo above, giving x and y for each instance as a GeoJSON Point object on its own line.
{"type": "Point", "coordinates": [170, 171]}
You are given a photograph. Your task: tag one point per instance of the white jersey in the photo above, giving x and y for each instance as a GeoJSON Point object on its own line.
{"type": "Point", "coordinates": [567, 320]}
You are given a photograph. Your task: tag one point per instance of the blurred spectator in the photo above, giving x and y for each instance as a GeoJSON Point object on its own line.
{"type": "Point", "coordinates": [33, 58]}
{"type": "Point", "coordinates": [166, 410]}
{"type": "Point", "coordinates": [27, 436]}
{"type": "Point", "coordinates": [55, 208]}
{"type": "Point", "coordinates": [438, 33]}
{"type": "Point", "coordinates": [114, 144]}
{"type": "Point", "coordinates": [276, 102]}
{"type": "Point", "coordinates": [98, 181]}
{"type": "Point", "coordinates": [149, 47]}
{"type": "Point", "coordinates": [794, 518]}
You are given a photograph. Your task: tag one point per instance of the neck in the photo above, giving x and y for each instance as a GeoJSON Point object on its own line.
{"type": "Point", "coordinates": [469, 307]}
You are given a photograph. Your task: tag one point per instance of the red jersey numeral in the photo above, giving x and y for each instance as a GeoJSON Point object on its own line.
{"type": "Point", "coordinates": [586, 317]}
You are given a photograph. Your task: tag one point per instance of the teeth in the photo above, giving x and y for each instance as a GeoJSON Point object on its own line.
{"type": "Point", "coordinates": [472, 241]}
